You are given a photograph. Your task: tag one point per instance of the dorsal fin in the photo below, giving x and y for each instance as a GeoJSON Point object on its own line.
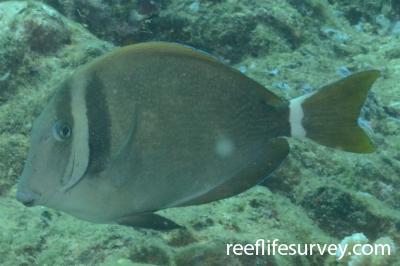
{"type": "Point", "coordinates": [180, 50]}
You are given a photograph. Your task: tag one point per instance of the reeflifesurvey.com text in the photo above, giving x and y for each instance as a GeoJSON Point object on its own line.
{"type": "Point", "coordinates": [270, 248]}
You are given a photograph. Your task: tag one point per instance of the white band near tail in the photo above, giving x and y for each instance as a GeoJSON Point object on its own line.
{"type": "Point", "coordinates": [328, 116]}
{"type": "Point", "coordinates": [296, 116]}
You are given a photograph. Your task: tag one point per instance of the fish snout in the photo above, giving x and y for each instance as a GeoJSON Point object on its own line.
{"type": "Point", "coordinates": [26, 197]}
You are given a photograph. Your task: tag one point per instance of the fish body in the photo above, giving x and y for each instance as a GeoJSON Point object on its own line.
{"type": "Point", "coordinates": [159, 125]}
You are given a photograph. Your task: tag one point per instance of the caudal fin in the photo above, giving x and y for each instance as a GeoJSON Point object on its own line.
{"type": "Point", "coordinates": [329, 116]}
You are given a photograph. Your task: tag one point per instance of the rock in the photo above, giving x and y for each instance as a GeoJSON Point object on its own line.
{"type": "Point", "coordinates": [236, 29]}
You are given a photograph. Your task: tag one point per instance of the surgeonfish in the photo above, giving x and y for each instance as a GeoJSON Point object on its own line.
{"type": "Point", "coordinates": [159, 125]}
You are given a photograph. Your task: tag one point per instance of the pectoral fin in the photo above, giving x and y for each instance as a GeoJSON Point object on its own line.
{"type": "Point", "coordinates": [149, 221]}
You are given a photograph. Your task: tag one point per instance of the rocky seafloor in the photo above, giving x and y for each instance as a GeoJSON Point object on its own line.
{"type": "Point", "coordinates": [292, 47]}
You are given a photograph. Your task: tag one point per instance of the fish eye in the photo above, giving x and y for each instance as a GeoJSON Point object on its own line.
{"type": "Point", "coordinates": [61, 131]}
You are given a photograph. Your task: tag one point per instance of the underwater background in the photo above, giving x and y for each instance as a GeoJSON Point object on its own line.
{"type": "Point", "coordinates": [292, 47]}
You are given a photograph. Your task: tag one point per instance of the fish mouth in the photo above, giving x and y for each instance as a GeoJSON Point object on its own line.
{"type": "Point", "coordinates": [27, 198]}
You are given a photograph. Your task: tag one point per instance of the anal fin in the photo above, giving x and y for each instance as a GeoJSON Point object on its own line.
{"type": "Point", "coordinates": [275, 153]}
{"type": "Point", "coordinates": [149, 221]}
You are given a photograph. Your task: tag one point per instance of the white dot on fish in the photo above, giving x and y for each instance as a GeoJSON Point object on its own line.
{"type": "Point", "coordinates": [224, 147]}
